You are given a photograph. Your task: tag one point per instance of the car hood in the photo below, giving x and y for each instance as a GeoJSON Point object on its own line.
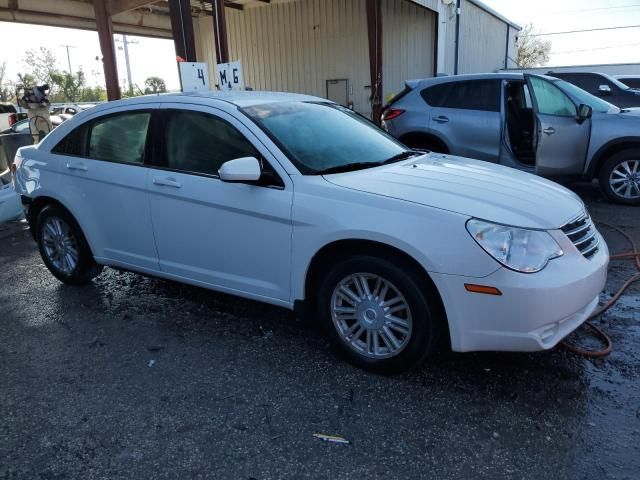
{"type": "Point", "coordinates": [629, 112]}
{"type": "Point", "coordinates": [470, 187]}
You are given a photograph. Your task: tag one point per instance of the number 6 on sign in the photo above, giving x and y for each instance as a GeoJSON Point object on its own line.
{"type": "Point", "coordinates": [229, 76]}
{"type": "Point", "coordinates": [194, 76]}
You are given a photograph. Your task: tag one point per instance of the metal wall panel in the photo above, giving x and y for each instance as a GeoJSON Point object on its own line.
{"type": "Point", "coordinates": [297, 46]}
{"type": "Point", "coordinates": [483, 39]}
{"type": "Point", "coordinates": [409, 44]}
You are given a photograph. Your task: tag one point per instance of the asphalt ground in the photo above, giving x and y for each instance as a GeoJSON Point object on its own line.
{"type": "Point", "coordinates": [138, 378]}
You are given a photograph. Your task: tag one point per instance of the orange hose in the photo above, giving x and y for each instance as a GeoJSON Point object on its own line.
{"type": "Point", "coordinates": [635, 254]}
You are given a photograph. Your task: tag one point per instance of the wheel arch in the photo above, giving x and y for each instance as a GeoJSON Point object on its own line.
{"type": "Point", "coordinates": [38, 203]}
{"type": "Point", "coordinates": [334, 251]}
{"type": "Point", "coordinates": [610, 148]}
{"type": "Point", "coordinates": [427, 137]}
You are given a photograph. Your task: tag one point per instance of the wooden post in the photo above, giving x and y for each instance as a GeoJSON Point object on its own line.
{"type": "Point", "coordinates": [182, 27]}
{"type": "Point", "coordinates": [107, 47]}
{"type": "Point", "coordinates": [374, 33]}
{"type": "Point", "coordinates": [220, 31]}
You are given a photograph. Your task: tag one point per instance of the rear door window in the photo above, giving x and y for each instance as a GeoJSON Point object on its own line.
{"type": "Point", "coordinates": [119, 138]}
{"type": "Point", "coordinates": [74, 144]}
{"type": "Point", "coordinates": [468, 95]}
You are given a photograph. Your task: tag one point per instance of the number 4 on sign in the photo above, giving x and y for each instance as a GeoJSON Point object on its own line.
{"type": "Point", "coordinates": [194, 76]}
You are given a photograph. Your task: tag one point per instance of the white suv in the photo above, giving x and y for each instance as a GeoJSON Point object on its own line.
{"type": "Point", "coordinates": [298, 202]}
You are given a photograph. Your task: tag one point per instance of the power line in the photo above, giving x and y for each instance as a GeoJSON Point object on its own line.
{"type": "Point", "coordinates": [635, 5]}
{"type": "Point", "coordinates": [596, 48]}
{"type": "Point", "coordinates": [585, 30]}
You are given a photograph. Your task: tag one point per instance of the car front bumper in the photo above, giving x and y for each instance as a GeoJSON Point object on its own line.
{"type": "Point", "coordinates": [535, 310]}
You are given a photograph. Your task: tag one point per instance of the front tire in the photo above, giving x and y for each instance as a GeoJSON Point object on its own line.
{"type": "Point", "coordinates": [620, 177]}
{"type": "Point", "coordinates": [378, 313]}
{"type": "Point", "coordinates": [63, 247]}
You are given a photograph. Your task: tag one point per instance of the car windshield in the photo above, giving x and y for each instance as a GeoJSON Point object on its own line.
{"type": "Point", "coordinates": [22, 127]}
{"type": "Point", "coordinates": [597, 104]}
{"type": "Point", "coordinates": [616, 82]}
{"type": "Point", "coordinates": [326, 138]}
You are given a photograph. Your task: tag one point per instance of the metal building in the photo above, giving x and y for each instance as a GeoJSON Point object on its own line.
{"type": "Point", "coordinates": [357, 52]}
{"type": "Point", "coordinates": [324, 47]}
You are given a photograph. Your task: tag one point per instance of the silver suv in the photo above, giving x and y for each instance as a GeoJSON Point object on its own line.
{"type": "Point", "coordinates": [534, 123]}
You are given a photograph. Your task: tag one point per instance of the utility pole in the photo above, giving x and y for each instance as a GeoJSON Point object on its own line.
{"type": "Point", "coordinates": [69, 56]}
{"type": "Point", "coordinates": [125, 46]}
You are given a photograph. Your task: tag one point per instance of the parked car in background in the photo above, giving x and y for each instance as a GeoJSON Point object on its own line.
{"type": "Point", "coordinates": [535, 123]}
{"type": "Point", "coordinates": [631, 81]}
{"type": "Point", "coordinates": [603, 86]}
{"type": "Point", "coordinates": [391, 250]}
{"type": "Point", "coordinates": [26, 125]}
{"type": "Point", "coordinates": [67, 111]}
{"type": "Point", "coordinates": [8, 116]}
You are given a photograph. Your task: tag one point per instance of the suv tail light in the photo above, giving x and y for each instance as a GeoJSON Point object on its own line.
{"type": "Point", "coordinates": [13, 118]}
{"type": "Point", "coordinates": [391, 113]}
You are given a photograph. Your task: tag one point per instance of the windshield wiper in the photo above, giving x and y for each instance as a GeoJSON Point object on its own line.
{"type": "Point", "coordinates": [351, 167]}
{"type": "Point", "coordinates": [402, 156]}
{"type": "Point", "coordinates": [348, 167]}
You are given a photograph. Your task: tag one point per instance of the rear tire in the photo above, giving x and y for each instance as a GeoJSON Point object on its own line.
{"type": "Point", "coordinates": [620, 177]}
{"type": "Point", "coordinates": [356, 306]}
{"type": "Point", "coordinates": [64, 248]}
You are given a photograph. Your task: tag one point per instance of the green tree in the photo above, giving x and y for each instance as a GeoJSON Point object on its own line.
{"type": "Point", "coordinates": [40, 63]}
{"type": "Point", "coordinates": [70, 87]}
{"type": "Point", "coordinates": [155, 85]}
{"type": "Point", "coordinates": [93, 94]}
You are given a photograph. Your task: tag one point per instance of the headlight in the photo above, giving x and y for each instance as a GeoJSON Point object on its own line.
{"type": "Point", "coordinates": [519, 249]}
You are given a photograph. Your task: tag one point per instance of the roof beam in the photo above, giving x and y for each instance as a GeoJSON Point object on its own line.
{"type": "Point", "coordinates": [230, 4]}
{"type": "Point", "coordinates": [108, 49]}
{"type": "Point", "coordinates": [118, 6]}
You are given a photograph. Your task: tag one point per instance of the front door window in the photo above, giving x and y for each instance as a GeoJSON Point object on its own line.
{"type": "Point", "coordinates": [551, 100]}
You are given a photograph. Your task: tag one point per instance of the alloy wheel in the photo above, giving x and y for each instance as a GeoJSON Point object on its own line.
{"type": "Point", "coordinates": [371, 315]}
{"type": "Point", "coordinates": [60, 245]}
{"type": "Point", "coordinates": [625, 179]}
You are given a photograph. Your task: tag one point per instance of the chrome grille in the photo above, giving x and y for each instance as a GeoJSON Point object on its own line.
{"type": "Point", "coordinates": [583, 235]}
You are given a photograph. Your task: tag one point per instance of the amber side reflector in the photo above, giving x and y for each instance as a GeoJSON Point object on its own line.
{"type": "Point", "coordinates": [471, 287]}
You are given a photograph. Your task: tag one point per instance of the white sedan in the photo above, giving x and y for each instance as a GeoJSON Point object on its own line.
{"type": "Point", "coordinates": [298, 202]}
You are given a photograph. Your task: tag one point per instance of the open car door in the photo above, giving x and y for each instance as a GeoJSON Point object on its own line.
{"type": "Point", "coordinates": [561, 134]}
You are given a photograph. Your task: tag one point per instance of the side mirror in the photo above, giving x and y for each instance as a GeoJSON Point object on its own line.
{"type": "Point", "coordinates": [604, 89]}
{"type": "Point", "coordinates": [245, 169]}
{"type": "Point", "coordinates": [584, 112]}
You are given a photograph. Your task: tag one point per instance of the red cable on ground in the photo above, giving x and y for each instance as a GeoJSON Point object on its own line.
{"type": "Point", "coordinates": [635, 254]}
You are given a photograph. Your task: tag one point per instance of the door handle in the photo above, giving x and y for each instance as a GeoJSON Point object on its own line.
{"type": "Point", "coordinates": [441, 119]}
{"type": "Point", "coordinates": [77, 166]}
{"type": "Point", "coordinates": [167, 182]}
{"type": "Point", "coordinates": [549, 130]}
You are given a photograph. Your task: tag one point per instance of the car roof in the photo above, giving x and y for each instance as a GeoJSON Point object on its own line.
{"type": "Point", "coordinates": [239, 98]}
{"type": "Point", "coordinates": [472, 76]}
{"type": "Point", "coordinates": [464, 77]}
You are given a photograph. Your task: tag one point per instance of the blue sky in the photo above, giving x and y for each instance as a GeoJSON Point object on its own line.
{"type": "Point", "coordinates": [608, 46]}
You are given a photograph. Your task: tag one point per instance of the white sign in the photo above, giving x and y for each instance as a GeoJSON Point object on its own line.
{"type": "Point", "coordinates": [230, 76]}
{"type": "Point", "coordinates": [194, 76]}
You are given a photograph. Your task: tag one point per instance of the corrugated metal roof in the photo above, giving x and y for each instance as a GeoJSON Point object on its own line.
{"type": "Point", "coordinates": [491, 11]}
